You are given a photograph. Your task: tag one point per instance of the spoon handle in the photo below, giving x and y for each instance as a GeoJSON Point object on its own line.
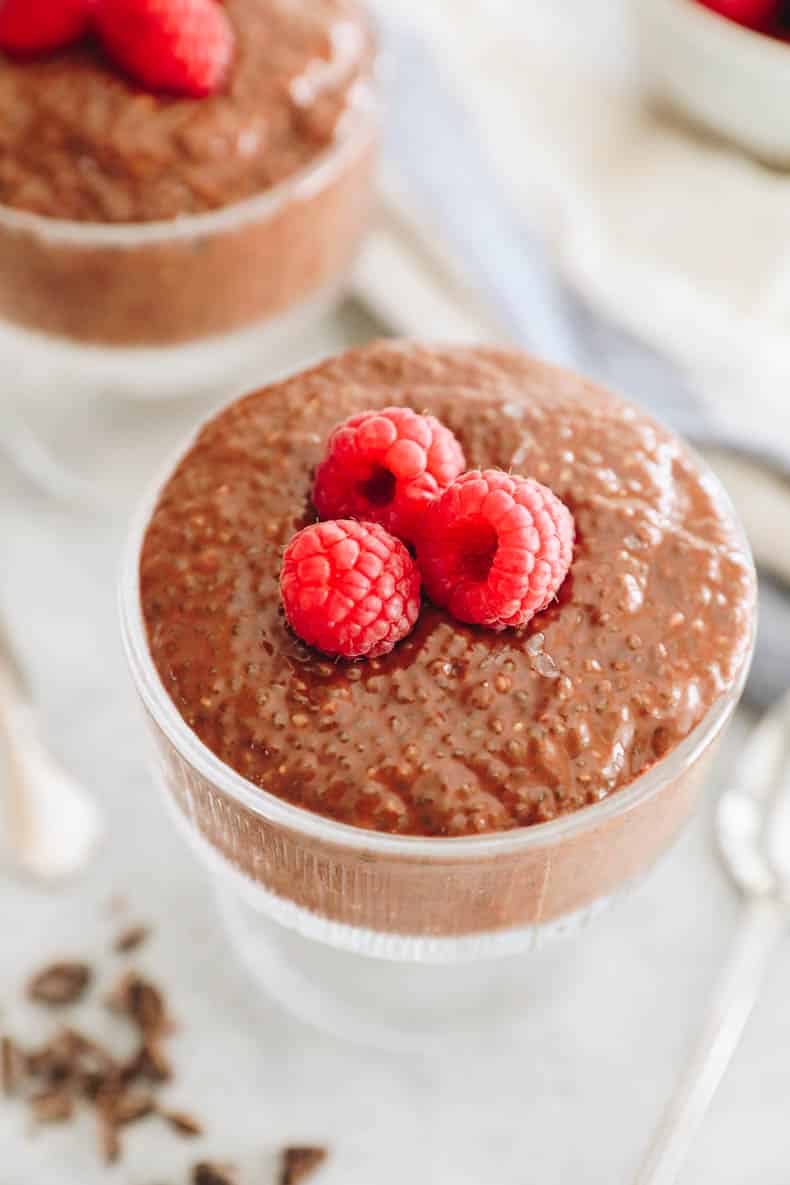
{"type": "Point", "coordinates": [734, 998]}
{"type": "Point", "coordinates": [50, 822]}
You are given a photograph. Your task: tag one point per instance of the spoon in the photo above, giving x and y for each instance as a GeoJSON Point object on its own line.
{"type": "Point", "coordinates": [753, 827]}
{"type": "Point", "coordinates": [51, 823]}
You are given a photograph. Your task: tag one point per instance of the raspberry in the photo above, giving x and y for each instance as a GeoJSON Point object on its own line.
{"type": "Point", "coordinates": [180, 46]}
{"type": "Point", "coordinates": [751, 13]}
{"type": "Point", "coordinates": [36, 26]}
{"type": "Point", "coordinates": [386, 467]}
{"type": "Point", "coordinates": [349, 588]}
{"type": "Point", "coordinates": [497, 548]}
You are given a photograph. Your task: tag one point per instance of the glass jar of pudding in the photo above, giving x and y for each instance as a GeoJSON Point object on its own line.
{"type": "Point", "coordinates": [151, 245]}
{"type": "Point", "coordinates": [383, 833]}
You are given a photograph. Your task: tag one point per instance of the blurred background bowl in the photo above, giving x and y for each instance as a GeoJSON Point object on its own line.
{"type": "Point", "coordinates": [730, 80]}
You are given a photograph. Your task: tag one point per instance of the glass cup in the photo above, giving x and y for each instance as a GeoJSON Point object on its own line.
{"type": "Point", "coordinates": [401, 941]}
{"type": "Point", "coordinates": [173, 306]}
{"type": "Point", "coordinates": [199, 305]}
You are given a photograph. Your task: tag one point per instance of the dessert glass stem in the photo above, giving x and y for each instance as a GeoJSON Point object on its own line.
{"type": "Point", "coordinates": [762, 925]}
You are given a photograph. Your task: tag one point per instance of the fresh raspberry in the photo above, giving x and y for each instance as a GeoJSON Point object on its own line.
{"type": "Point", "coordinates": [36, 26]}
{"type": "Point", "coordinates": [183, 47]}
{"type": "Point", "coordinates": [387, 467]}
{"type": "Point", "coordinates": [496, 548]}
{"type": "Point", "coordinates": [349, 588]}
{"type": "Point", "coordinates": [752, 13]}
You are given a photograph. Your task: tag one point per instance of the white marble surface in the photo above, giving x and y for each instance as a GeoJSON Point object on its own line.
{"type": "Point", "coordinates": [572, 1099]}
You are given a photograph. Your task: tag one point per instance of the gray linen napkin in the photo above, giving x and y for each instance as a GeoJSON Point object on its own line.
{"type": "Point", "coordinates": [433, 147]}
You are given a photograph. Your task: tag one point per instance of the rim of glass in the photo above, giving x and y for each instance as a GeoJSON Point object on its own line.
{"type": "Point", "coordinates": [353, 129]}
{"type": "Point", "coordinates": [295, 818]}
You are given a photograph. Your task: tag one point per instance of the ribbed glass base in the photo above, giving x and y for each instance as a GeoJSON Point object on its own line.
{"type": "Point", "coordinates": [402, 1006]}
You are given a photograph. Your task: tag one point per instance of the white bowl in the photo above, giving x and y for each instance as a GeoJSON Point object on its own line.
{"type": "Point", "coordinates": [731, 80]}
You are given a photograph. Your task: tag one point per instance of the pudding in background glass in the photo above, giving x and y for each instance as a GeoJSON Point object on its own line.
{"type": "Point", "coordinates": [132, 222]}
{"type": "Point", "coordinates": [471, 792]}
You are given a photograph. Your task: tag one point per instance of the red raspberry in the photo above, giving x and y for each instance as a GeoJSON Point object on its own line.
{"type": "Point", "coordinates": [497, 548]}
{"type": "Point", "coordinates": [349, 588]}
{"type": "Point", "coordinates": [36, 26]}
{"type": "Point", "coordinates": [751, 13]}
{"type": "Point", "coordinates": [180, 46]}
{"type": "Point", "coordinates": [387, 467]}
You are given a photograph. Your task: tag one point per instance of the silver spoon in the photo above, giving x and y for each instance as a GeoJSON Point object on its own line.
{"type": "Point", "coordinates": [50, 823]}
{"type": "Point", "coordinates": [753, 825]}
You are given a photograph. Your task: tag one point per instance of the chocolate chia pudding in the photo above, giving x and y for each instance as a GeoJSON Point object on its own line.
{"type": "Point", "coordinates": [460, 731]}
{"type": "Point", "coordinates": [135, 218]}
